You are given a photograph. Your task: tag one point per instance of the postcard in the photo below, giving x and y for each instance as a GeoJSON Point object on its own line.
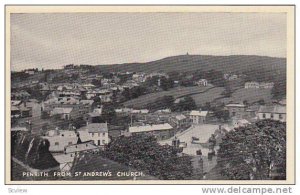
{"type": "Point", "coordinates": [150, 94]}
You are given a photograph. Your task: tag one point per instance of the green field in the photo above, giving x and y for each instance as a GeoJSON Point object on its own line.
{"type": "Point", "coordinates": [176, 92]}
{"type": "Point", "coordinates": [208, 96]}
{"type": "Point", "coordinates": [251, 95]}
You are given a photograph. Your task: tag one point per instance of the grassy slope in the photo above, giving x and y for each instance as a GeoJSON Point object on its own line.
{"type": "Point", "coordinates": [176, 92]}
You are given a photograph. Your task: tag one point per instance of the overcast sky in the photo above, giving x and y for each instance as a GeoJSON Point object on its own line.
{"type": "Point", "coordinates": [53, 40]}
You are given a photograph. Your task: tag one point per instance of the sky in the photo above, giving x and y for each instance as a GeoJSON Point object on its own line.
{"type": "Point", "coordinates": [53, 40]}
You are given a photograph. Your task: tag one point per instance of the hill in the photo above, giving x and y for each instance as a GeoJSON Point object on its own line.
{"type": "Point", "coordinates": [233, 63]}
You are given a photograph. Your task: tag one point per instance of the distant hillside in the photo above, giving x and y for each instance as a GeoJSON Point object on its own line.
{"type": "Point", "coordinates": [234, 63]}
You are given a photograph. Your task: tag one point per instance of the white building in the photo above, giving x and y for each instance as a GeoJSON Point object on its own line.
{"type": "Point", "coordinates": [256, 85]}
{"type": "Point", "coordinates": [98, 132]}
{"type": "Point", "coordinates": [251, 85]}
{"type": "Point", "coordinates": [202, 82]}
{"type": "Point", "coordinates": [266, 85]}
{"type": "Point", "coordinates": [59, 139]}
{"type": "Point", "coordinates": [276, 112]}
{"type": "Point", "coordinates": [198, 117]}
{"type": "Point", "coordinates": [66, 159]}
{"type": "Point", "coordinates": [160, 131]}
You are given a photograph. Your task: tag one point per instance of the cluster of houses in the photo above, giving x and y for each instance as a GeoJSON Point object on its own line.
{"type": "Point", "coordinates": [65, 145]}
{"type": "Point", "coordinates": [257, 85]}
{"type": "Point", "coordinates": [241, 114]}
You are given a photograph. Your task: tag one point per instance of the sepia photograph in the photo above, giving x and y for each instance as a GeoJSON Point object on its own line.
{"type": "Point", "coordinates": [150, 94]}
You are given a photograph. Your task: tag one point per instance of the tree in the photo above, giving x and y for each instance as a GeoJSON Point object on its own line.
{"type": "Point", "coordinates": [108, 113]}
{"type": "Point", "coordinates": [220, 113]}
{"type": "Point", "coordinates": [166, 83]}
{"type": "Point", "coordinates": [187, 103]}
{"type": "Point", "coordinates": [144, 153]}
{"type": "Point", "coordinates": [245, 102]}
{"type": "Point", "coordinates": [261, 102]}
{"type": "Point", "coordinates": [97, 102]}
{"type": "Point", "coordinates": [279, 90]}
{"type": "Point", "coordinates": [256, 151]}
{"type": "Point", "coordinates": [228, 91]}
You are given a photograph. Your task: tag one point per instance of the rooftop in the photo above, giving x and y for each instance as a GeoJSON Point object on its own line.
{"type": "Point", "coordinates": [236, 105]}
{"type": "Point", "coordinates": [180, 117]}
{"type": "Point", "coordinates": [149, 128]}
{"type": "Point", "coordinates": [61, 111]}
{"type": "Point", "coordinates": [87, 145]}
{"type": "Point", "coordinates": [273, 109]}
{"type": "Point", "coordinates": [198, 113]}
{"type": "Point", "coordinates": [95, 127]}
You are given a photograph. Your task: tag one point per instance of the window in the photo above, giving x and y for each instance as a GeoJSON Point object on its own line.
{"type": "Point", "coordinates": [99, 143]}
{"type": "Point", "coordinates": [92, 134]}
{"type": "Point", "coordinates": [272, 115]}
{"type": "Point", "coordinates": [233, 113]}
{"type": "Point", "coordinates": [70, 143]}
{"type": "Point", "coordinates": [264, 115]}
{"type": "Point", "coordinates": [103, 134]}
{"type": "Point", "coordinates": [280, 116]}
{"type": "Point", "coordinates": [56, 143]}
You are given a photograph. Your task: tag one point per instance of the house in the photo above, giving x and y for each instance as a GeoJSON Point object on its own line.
{"type": "Point", "coordinates": [179, 121]}
{"type": "Point", "coordinates": [69, 67]}
{"type": "Point", "coordinates": [98, 132]}
{"type": "Point", "coordinates": [202, 82]}
{"type": "Point", "coordinates": [80, 147]}
{"type": "Point", "coordinates": [160, 131]}
{"type": "Point", "coordinates": [59, 139]}
{"type": "Point", "coordinates": [79, 107]}
{"type": "Point", "coordinates": [64, 113]}
{"type": "Point", "coordinates": [20, 109]}
{"type": "Point", "coordinates": [266, 85]}
{"type": "Point", "coordinates": [226, 76]}
{"type": "Point", "coordinates": [21, 95]}
{"type": "Point", "coordinates": [65, 161]}
{"type": "Point", "coordinates": [240, 123]}
{"type": "Point", "coordinates": [233, 77]}
{"type": "Point", "coordinates": [88, 86]}
{"type": "Point", "coordinates": [15, 112]}
{"type": "Point", "coordinates": [274, 112]}
{"type": "Point", "coordinates": [251, 85]}
{"type": "Point", "coordinates": [17, 128]}
{"type": "Point", "coordinates": [256, 85]}
{"type": "Point", "coordinates": [236, 110]}
{"type": "Point", "coordinates": [198, 117]}
{"type": "Point", "coordinates": [30, 71]}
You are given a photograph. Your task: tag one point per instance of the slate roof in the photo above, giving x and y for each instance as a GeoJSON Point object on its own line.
{"type": "Point", "coordinates": [148, 128]}
{"type": "Point", "coordinates": [180, 117]}
{"type": "Point", "coordinates": [84, 146]}
{"type": "Point", "coordinates": [198, 113]}
{"type": "Point", "coordinates": [273, 109]}
{"type": "Point", "coordinates": [95, 127]}
{"type": "Point", "coordinates": [61, 111]}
